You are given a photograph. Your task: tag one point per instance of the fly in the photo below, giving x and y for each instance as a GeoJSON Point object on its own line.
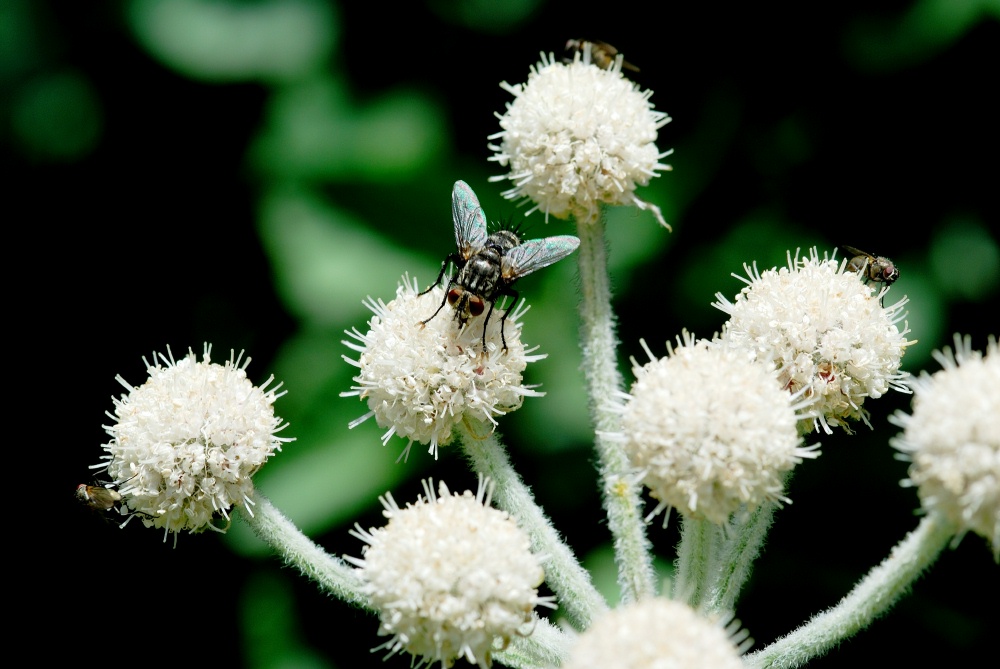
{"type": "Point", "coordinates": [602, 54]}
{"type": "Point", "coordinates": [488, 265]}
{"type": "Point", "coordinates": [100, 498]}
{"type": "Point", "coordinates": [878, 269]}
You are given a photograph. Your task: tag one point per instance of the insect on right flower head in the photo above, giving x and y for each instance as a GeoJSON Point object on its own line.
{"type": "Point", "coordinates": [877, 269]}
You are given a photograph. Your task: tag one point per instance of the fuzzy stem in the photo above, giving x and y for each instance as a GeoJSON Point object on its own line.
{"type": "Point", "coordinates": [736, 558]}
{"type": "Point", "coordinates": [620, 492]}
{"type": "Point", "coordinates": [869, 599]}
{"type": "Point", "coordinates": [330, 572]}
{"type": "Point", "coordinates": [546, 646]}
{"type": "Point", "coordinates": [563, 573]}
{"type": "Point", "coordinates": [696, 557]}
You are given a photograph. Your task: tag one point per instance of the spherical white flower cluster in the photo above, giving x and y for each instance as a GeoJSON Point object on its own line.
{"type": "Point", "coordinates": [710, 430]}
{"type": "Point", "coordinates": [953, 439]}
{"type": "Point", "coordinates": [186, 442]}
{"type": "Point", "coordinates": [420, 381]}
{"type": "Point", "coordinates": [577, 135]}
{"type": "Point", "coordinates": [826, 332]}
{"type": "Point", "coordinates": [450, 576]}
{"type": "Point", "coordinates": [657, 633]}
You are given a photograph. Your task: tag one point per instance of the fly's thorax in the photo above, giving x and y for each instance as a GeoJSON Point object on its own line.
{"type": "Point", "coordinates": [481, 274]}
{"type": "Point", "coordinates": [502, 241]}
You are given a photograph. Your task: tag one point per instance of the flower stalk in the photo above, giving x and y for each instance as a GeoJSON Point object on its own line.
{"type": "Point", "coordinates": [696, 555]}
{"type": "Point", "coordinates": [619, 491]}
{"type": "Point", "coordinates": [743, 541]}
{"type": "Point", "coordinates": [299, 551]}
{"type": "Point", "coordinates": [870, 598]}
{"type": "Point", "coordinates": [568, 579]}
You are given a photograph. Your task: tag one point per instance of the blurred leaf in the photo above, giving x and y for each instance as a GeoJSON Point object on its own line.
{"type": "Point", "coordinates": [271, 637]}
{"type": "Point", "coordinates": [57, 117]}
{"type": "Point", "coordinates": [326, 477]}
{"type": "Point", "coordinates": [236, 41]}
{"type": "Point", "coordinates": [19, 38]}
{"type": "Point", "coordinates": [927, 315]}
{"type": "Point", "coordinates": [634, 238]}
{"type": "Point", "coordinates": [325, 262]}
{"type": "Point", "coordinates": [965, 259]}
{"type": "Point", "coordinates": [552, 325]}
{"type": "Point", "coordinates": [706, 270]}
{"type": "Point", "coordinates": [923, 29]}
{"type": "Point", "coordinates": [486, 15]}
{"type": "Point", "coordinates": [315, 131]}
{"type": "Point", "coordinates": [331, 472]}
{"type": "Point", "coordinates": [311, 367]}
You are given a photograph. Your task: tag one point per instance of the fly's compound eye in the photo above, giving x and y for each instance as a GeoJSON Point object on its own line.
{"type": "Point", "coordinates": [890, 274]}
{"type": "Point", "coordinates": [476, 305]}
{"type": "Point", "coordinates": [454, 295]}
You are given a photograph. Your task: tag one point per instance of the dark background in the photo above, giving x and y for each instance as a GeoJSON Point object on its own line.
{"type": "Point", "coordinates": [133, 213]}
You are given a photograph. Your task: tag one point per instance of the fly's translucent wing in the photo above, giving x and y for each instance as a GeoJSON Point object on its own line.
{"type": "Point", "coordinates": [470, 220]}
{"type": "Point", "coordinates": [857, 252]}
{"type": "Point", "coordinates": [602, 54]}
{"type": "Point", "coordinates": [535, 254]}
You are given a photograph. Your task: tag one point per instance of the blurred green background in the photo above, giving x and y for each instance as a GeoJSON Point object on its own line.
{"type": "Point", "coordinates": [246, 173]}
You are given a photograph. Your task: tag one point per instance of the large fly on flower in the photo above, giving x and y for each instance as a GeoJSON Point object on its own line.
{"type": "Point", "coordinates": [488, 265]}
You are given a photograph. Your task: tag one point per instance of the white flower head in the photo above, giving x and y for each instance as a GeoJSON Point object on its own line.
{"type": "Point", "coordinates": [185, 443]}
{"type": "Point", "coordinates": [952, 439]}
{"type": "Point", "coordinates": [577, 135]}
{"type": "Point", "coordinates": [420, 381]}
{"type": "Point", "coordinates": [709, 430]}
{"type": "Point", "coordinates": [658, 633]}
{"type": "Point", "coordinates": [450, 576]}
{"type": "Point", "coordinates": [826, 332]}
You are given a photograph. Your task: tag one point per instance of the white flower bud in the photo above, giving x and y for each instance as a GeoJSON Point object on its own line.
{"type": "Point", "coordinates": [576, 136]}
{"type": "Point", "coordinates": [185, 443]}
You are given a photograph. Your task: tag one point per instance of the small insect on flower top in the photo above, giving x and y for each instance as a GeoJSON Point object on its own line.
{"type": "Point", "coordinates": [100, 498]}
{"type": "Point", "coordinates": [874, 268]}
{"type": "Point", "coordinates": [602, 54]}
{"type": "Point", "coordinates": [488, 265]}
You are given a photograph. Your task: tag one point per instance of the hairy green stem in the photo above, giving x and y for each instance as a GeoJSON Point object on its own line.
{"type": "Point", "coordinates": [871, 597]}
{"type": "Point", "coordinates": [570, 581]}
{"type": "Point", "coordinates": [696, 559]}
{"type": "Point", "coordinates": [736, 557]}
{"type": "Point", "coordinates": [620, 492]}
{"type": "Point", "coordinates": [546, 646]}
{"type": "Point", "coordinates": [299, 551]}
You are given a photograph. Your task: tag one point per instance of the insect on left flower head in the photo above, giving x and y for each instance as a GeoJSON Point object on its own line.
{"type": "Point", "coordinates": [185, 443]}
{"type": "Point", "coordinates": [98, 497]}
{"type": "Point", "coordinates": [489, 265]}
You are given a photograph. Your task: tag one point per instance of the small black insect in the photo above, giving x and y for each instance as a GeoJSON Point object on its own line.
{"type": "Point", "coordinates": [602, 54]}
{"type": "Point", "coordinates": [878, 269]}
{"type": "Point", "coordinates": [488, 265]}
{"type": "Point", "coordinates": [100, 498]}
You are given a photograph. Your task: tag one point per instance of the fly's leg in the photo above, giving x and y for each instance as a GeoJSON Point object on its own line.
{"type": "Point", "coordinates": [450, 258]}
{"type": "Point", "coordinates": [440, 306]}
{"type": "Point", "coordinates": [514, 296]}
